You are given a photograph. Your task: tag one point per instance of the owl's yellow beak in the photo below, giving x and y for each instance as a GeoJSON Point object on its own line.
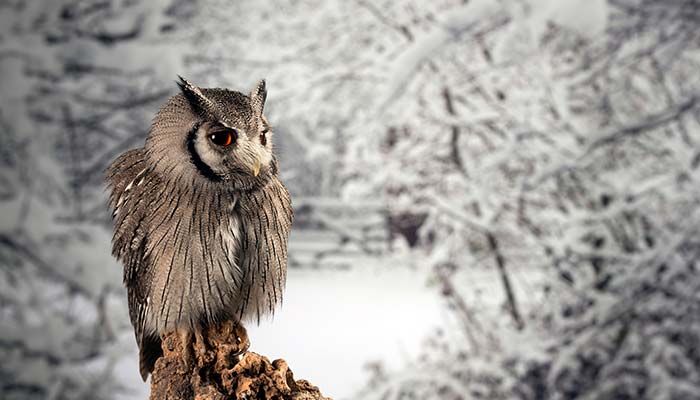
{"type": "Point", "coordinates": [256, 167]}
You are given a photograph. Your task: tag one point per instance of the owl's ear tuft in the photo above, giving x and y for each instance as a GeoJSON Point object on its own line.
{"type": "Point", "coordinates": [257, 97]}
{"type": "Point", "coordinates": [194, 95]}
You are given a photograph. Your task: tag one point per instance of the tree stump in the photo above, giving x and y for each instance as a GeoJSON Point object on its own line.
{"type": "Point", "coordinates": [210, 369]}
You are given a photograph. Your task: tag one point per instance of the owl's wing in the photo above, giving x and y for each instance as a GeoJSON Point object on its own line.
{"type": "Point", "coordinates": [132, 186]}
{"type": "Point", "coordinates": [266, 219]}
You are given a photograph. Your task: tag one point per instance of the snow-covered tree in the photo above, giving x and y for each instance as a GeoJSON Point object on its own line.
{"type": "Point", "coordinates": [526, 145]}
{"type": "Point", "coordinates": [626, 237]}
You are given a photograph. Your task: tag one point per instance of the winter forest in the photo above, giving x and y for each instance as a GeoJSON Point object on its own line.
{"type": "Point", "coordinates": [493, 199]}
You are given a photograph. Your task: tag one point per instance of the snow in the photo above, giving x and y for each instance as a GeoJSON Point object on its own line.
{"type": "Point", "coordinates": [333, 322]}
{"type": "Point", "coordinates": [458, 23]}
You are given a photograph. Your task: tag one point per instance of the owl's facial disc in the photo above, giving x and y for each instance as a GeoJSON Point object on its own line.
{"type": "Point", "coordinates": [225, 152]}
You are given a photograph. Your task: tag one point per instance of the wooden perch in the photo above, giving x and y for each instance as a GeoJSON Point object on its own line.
{"type": "Point", "coordinates": [209, 369]}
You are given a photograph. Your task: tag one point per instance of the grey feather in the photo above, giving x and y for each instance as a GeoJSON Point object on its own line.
{"type": "Point", "coordinates": [202, 238]}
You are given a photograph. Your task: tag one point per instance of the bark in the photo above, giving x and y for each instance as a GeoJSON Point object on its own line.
{"type": "Point", "coordinates": [208, 368]}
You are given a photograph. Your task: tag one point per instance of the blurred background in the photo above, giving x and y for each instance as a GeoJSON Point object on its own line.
{"type": "Point", "coordinates": [493, 199]}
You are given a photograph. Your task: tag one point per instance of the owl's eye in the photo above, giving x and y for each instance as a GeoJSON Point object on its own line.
{"type": "Point", "coordinates": [223, 138]}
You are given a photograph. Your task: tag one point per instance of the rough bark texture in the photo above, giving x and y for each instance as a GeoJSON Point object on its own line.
{"type": "Point", "coordinates": [208, 368]}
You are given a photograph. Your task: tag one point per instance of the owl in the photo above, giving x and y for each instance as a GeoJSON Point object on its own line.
{"type": "Point", "coordinates": [201, 219]}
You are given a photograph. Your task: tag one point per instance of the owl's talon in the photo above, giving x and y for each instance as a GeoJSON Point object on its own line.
{"type": "Point", "coordinates": [242, 347]}
{"type": "Point", "coordinates": [241, 339]}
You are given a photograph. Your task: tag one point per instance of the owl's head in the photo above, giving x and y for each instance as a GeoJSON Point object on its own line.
{"type": "Point", "coordinates": [215, 135]}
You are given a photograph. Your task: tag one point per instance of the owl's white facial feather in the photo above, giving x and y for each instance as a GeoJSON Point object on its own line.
{"type": "Point", "coordinates": [246, 153]}
{"type": "Point", "coordinates": [210, 156]}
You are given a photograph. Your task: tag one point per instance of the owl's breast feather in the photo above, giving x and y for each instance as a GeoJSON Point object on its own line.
{"type": "Point", "coordinates": [230, 229]}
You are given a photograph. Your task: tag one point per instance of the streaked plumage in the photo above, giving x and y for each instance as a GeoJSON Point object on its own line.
{"type": "Point", "coordinates": [201, 226]}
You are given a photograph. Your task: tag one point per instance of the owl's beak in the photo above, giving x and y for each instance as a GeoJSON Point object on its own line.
{"type": "Point", "coordinates": [256, 167]}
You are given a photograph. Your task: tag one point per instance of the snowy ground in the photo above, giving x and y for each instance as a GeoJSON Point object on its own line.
{"type": "Point", "coordinates": [333, 322]}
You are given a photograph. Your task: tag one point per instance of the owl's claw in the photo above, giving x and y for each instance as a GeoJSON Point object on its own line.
{"type": "Point", "coordinates": [241, 339]}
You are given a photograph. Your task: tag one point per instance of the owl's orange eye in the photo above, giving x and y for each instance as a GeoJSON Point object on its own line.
{"type": "Point", "coordinates": [263, 136]}
{"type": "Point", "coordinates": [223, 138]}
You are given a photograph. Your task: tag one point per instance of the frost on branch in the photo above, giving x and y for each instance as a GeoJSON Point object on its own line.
{"type": "Point", "coordinates": [210, 369]}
